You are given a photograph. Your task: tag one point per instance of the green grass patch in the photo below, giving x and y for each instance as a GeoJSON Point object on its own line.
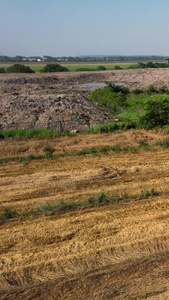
{"type": "Point", "coordinates": [37, 67]}
{"type": "Point", "coordinates": [32, 133]}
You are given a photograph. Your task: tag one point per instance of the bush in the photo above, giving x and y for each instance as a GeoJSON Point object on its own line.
{"type": "Point", "coordinates": [117, 68]}
{"type": "Point", "coordinates": [2, 70]}
{"type": "Point", "coordinates": [101, 68]}
{"type": "Point", "coordinates": [117, 88]}
{"type": "Point", "coordinates": [18, 68]}
{"type": "Point", "coordinates": [111, 97]}
{"type": "Point", "coordinates": [54, 68]}
{"type": "Point", "coordinates": [156, 112]}
{"type": "Point", "coordinates": [137, 91]}
{"type": "Point", "coordinates": [151, 89]}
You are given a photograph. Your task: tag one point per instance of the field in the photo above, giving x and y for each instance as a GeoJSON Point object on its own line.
{"type": "Point", "coordinates": [117, 250]}
{"type": "Point", "coordinates": [72, 66]}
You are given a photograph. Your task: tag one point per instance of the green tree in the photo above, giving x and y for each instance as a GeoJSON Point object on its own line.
{"type": "Point", "coordinates": [19, 68]}
{"type": "Point", "coordinates": [2, 70]}
{"type": "Point", "coordinates": [101, 68]}
{"type": "Point", "coordinates": [54, 68]}
{"type": "Point", "coordinates": [156, 112]}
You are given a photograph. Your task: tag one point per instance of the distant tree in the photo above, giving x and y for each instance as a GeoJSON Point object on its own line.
{"type": "Point", "coordinates": [18, 68]}
{"type": "Point", "coordinates": [150, 64]}
{"type": "Point", "coordinates": [54, 68]}
{"type": "Point", "coordinates": [101, 68]}
{"type": "Point", "coordinates": [2, 70]}
{"type": "Point", "coordinates": [117, 67]}
{"type": "Point", "coordinates": [118, 88]}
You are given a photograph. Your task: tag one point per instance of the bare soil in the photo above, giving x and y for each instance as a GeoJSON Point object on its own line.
{"type": "Point", "coordinates": [51, 100]}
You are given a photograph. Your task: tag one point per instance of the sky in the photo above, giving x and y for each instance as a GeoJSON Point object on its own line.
{"type": "Point", "coordinates": [84, 27]}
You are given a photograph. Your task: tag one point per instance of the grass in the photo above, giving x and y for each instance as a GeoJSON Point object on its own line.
{"type": "Point", "coordinates": [72, 67]}
{"type": "Point", "coordinates": [31, 133]}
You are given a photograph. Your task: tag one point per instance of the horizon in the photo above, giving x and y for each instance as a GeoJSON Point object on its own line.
{"type": "Point", "coordinates": [92, 55]}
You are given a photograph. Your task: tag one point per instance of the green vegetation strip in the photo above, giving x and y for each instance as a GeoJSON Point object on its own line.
{"type": "Point", "coordinates": [48, 151]}
{"type": "Point", "coordinates": [31, 133]}
{"type": "Point", "coordinates": [55, 67]}
{"type": "Point", "coordinates": [60, 206]}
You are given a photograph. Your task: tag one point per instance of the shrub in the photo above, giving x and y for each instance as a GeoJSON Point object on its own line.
{"type": "Point", "coordinates": [117, 68]}
{"type": "Point", "coordinates": [111, 97]}
{"type": "Point", "coordinates": [117, 88]}
{"type": "Point", "coordinates": [54, 68]}
{"type": "Point", "coordinates": [101, 68]}
{"type": "Point", "coordinates": [19, 68]}
{"type": "Point", "coordinates": [156, 112]}
{"type": "Point", "coordinates": [151, 89]}
{"type": "Point", "coordinates": [163, 90]}
{"type": "Point", "coordinates": [137, 91]}
{"type": "Point", "coordinates": [2, 70]}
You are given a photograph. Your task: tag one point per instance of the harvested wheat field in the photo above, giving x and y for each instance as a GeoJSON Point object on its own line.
{"type": "Point", "coordinates": [117, 249]}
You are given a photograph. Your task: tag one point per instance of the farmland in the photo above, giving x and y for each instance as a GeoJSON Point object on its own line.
{"type": "Point", "coordinates": [83, 223]}
{"type": "Point", "coordinates": [59, 254]}
{"type": "Point", "coordinates": [71, 66]}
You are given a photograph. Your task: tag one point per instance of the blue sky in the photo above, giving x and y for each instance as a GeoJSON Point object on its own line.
{"type": "Point", "coordinates": [84, 27]}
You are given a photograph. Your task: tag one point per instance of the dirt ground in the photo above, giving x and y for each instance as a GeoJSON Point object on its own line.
{"type": "Point", "coordinates": [51, 100]}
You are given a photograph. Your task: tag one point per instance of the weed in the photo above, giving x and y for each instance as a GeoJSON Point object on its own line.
{"type": "Point", "coordinates": [164, 143]}
{"type": "Point", "coordinates": [60, 206]}
{"type": "Point", "coordinates": [114, 198]}
{"type": "Point", "coordinates": [153, 193]}
{"type": "Point", "coordinates": [143, 144]}
{"type": "Point", "coordinates": [47, 207]}
{"type": "Point", "coordinates": [89, 201]}
{"type": "Point", "coordinates": [48, 151]}
{"type": "Point", "coordinates": [64, 207]}
{"type": "Point", "coordinates": [103, 150]}
{"type": "Point", "coordinates": [7, 213]}
{"type": "Point", "coordinates": [101, 199]}
{"type": "Point", "coordinates": [145, 193]}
